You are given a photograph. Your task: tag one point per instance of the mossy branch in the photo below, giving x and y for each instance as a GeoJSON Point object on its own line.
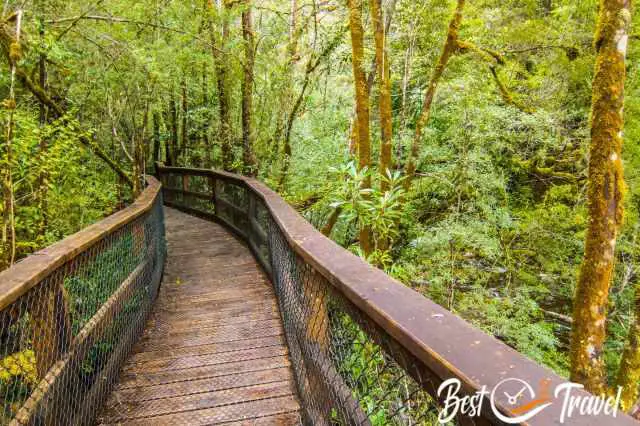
{"type": "Point", "coordinates": [506, 94]}
{"type": "Point", "coordinates": [487, 54]}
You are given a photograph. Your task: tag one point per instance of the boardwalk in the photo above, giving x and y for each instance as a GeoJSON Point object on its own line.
{"type": "Point", "coordinates": [213, 350]}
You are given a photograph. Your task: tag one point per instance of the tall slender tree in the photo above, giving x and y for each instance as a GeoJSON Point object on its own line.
{"type": "Point", "coordinates": [218, 46]}
{"type": "Point", "coordinates": [448, 50]}
{"type": "Point", "coordinates": [362, 105]}
{"type": "Point", "coordinates": [604, 196]}
{"type": "Point", "coordinates": [247, 90]}
{"type": "Point", "coordinates": [384, 83]}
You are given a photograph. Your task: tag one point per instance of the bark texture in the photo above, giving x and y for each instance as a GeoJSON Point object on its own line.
{"type": "Point", "coordinates": [629, 372]}
{"type": "Point", "coordinates": [604, 196]}
{"type": "Point", "coordinates": [362, 104]}
{"type": "Point", "coordinates": [384, 83]}
{"type": "Point", "coordinates": [247, 92]}
{"type": "Point", "coordinates": [225, 130]}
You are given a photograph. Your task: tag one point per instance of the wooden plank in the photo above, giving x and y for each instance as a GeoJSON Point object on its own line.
{"type": "Point", "coordinates": [130, 380]}
{"type": "Point", "coordinates": [229, 381]}
{"type": "Point", "coordinates": [226, 334]}
{"type": "Point", "coordinates": [214, 343]}
{"type": "Point", "coordinates": [127, 410]}
{"type": "Point", "coordinates": [203, 359]}
{"type": "Point", "coordinates": [288, 419]}
{"type": "Point", "coordinates": [235, 412]}
{"type": "Point", "coordinates": [171, 329]}
{"type": "Point", "coordinates": [214, 348]}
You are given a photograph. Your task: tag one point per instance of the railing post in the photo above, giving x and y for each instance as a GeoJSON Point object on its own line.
{"type": "Point", "coordinates": [214, 198]}
{"type": "Point", "coordinates": [251, 214]}
{"type": "Point", "coordinates": [185, 183]}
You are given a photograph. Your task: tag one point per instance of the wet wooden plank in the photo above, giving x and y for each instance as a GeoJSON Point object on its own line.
{"type": "Point", "coordinates": [213, 349]}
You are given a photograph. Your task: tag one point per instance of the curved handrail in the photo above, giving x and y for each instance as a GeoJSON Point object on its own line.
{"type": "Point", "coordinates": [24, 275]}
{"type": "Point", "coordinates": [70, 314]}
{"type": "Point", "coordinates": [448, 346]}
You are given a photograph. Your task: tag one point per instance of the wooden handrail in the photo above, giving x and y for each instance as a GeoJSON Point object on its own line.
{"type": "Point", "coordinates": [20, 278]}
{"type": "Point", "coordinates": [446, 344]}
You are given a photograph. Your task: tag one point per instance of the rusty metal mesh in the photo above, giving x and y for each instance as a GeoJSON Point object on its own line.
{"type": "Point", "coordinates": [348, 371]}
{"type": "Point", "coordinates": [63, 341]}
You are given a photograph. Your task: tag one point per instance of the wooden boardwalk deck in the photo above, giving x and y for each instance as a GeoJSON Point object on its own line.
{"type": "Point", "coordinates": [213, 350]}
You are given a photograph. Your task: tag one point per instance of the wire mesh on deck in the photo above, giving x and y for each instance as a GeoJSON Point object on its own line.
{"type": "Point", "coordinates": [63, 341]}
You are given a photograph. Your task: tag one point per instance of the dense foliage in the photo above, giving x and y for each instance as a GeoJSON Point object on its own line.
{"type": "Point", "coordinates": [491, 228]}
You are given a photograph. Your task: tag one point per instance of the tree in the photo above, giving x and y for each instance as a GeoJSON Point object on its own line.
{"type": "Point", "coordinates": [11, 46]}
{"type": "Point", "coordinates": [247, 91]}
{"type": "Point", "coordinates": [362, 104]}
{"type": "Point", "coordinates": [225, 132]}
{"type": "Point", "coordinates": [605, 200]}
{"type": "Point", "coordinates": [384, 84]}
{"type": "Point", "coordinates": [448, 50]}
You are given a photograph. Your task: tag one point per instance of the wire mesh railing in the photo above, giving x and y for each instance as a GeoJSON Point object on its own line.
{"type": "Point", "coordinates": [70, 314]}
{"type": "Point", "coordinates": [365, 350]}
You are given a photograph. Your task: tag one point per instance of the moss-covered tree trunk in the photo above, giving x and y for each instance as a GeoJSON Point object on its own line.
{"type": "Point", "coordinates": [449, 49]}
{"type": "Point", "coordinates": [247, 91]}
{"type": "Point", "coordinates": [362, 104]}
{"type": "Point", "coordinates": [604, 196]}
{"type": "Point", "coordinates": [629, 372]}
{"type": "Point", "coordinates": [384, 83]}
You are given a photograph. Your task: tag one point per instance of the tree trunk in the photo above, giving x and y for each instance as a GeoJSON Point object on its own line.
{"type": "Point", "coordinates": [312, 65]}
{"type": "Point", "coordinates": [172, 146]}
{"type": "Point", "coordinates": [43, 183]}
{"type": "Point", "coordinates": [604, 196]}
{"type": "Point", "coordinates": [384, 83]}
{"type": "Point", "coordinates": [8, 243]}
{"type": "Point", "coordinates": [450, 47]}
{"type": "Point", "coordinates": [226, 130]}
{"type": "Point", "coordinates": [184, 144]}
{"type": "Point", "coordinates": [156, 137]}
{"type": "Point", "coordinates": [247, 92]}
{"type": "Point", "coordinates": [629, 372]}
{"type": "Point", "coordinates": [206, 142]}
{"type": "Point", "coordinates": [362, 105]}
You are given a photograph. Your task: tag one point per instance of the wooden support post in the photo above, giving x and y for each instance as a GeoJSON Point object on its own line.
{"type": "Point", "coordinates": [185, 183]}
{"type": "Point", "coordinates": [316, 297]}
{"type": "Point", "coordinates": [251, 213]}
{"type": "Point", "coordinates": [214, 198]}
{"type": "Point", "coordinates": [51, 327]}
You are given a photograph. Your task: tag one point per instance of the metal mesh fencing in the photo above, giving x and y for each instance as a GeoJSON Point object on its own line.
{"type": "Point", "coordinates": [348, 371]}
{"type": "Point", "coordinates": [63, 341]}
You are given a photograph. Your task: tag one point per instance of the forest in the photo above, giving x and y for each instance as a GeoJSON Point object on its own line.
{"type": "Point", "coordinates": [484, 153]}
